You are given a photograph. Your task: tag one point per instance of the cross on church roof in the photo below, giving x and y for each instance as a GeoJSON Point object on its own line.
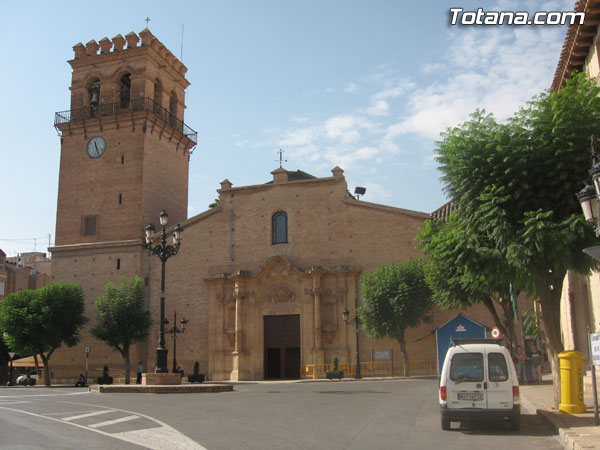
{"type": "Point", "coordinates": [281, 160]}
{"type": "Point", "coordinates": [147, 20]}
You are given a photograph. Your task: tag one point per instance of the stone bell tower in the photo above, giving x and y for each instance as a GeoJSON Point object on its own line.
{"type": "Point", "coordinates": [124, 157]}
{"type": "Point", "coordinates": [124, 145]}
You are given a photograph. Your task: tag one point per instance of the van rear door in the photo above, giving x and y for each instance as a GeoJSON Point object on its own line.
{"type": "Point", "coordinates": [466, 388]}
{"type": "Point", "coordinates": [499, 386]}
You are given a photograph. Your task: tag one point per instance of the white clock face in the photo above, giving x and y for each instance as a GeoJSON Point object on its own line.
{"type": "Point", "coordinates": [95, 147]}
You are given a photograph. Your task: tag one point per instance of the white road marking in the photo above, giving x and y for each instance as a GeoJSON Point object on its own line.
{"type": "Point", "coordinates": [112, 422]}
{"type": "Point", "coordinates": [81, 416]}
{"type": "Point", "coordinates": [13, 402]}
{"type": "Point", "coordinates": [160, 439]}
{"type": "Point", "coordinates": [56, 394]}
{"type": "Point", "coordinates": [163, 437]}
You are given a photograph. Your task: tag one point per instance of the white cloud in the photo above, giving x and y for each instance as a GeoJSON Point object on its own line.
{"type": "Point", "coordinates": [432, 68]}
{"type": "Point", "coordinates": [300, 119]}
{"type": "Point", "coordinates": [378, 108]}
{"type": "Point", "coordinates": [346, 158]}
{"type": "Point", "coordinates": [343, 129]}
{"type": "Point", "coordinates": [398, 88]}
{"type": "Point", "coordinates": [493, 68]}
{"type": "Point", "coordinates": [351, 88]}
{"type": "Point", "coordinates": [496, 69]}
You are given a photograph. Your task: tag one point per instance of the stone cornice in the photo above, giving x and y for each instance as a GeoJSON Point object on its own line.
{"type": "Point", "coordinates": [262, 187]}
{"type": "Point", "coordinates": [390, 209]}
{"type": "Point", "coordinates": [96, 246]}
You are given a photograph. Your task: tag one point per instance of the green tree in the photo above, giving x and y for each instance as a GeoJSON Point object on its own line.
{"type": "Point", "coordinates": [40, 321]}
{"type": "Point", "coordinates": [513, 186]}
{"type": "Point", "coordinates": [395, 297]}
{"type": "Point", "coordinates": [122, 317]}
{"type": "Point", "coordinates": [462, 271]}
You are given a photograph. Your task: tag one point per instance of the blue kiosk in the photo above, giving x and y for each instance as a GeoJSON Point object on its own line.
{"type": "Point", "coordinates": [460, 327]}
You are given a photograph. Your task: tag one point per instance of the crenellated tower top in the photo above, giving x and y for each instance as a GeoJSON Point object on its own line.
{"type": "Point", "coordinates": [125, 74]}
{"type": "Point", "coordinates": [137, 66]}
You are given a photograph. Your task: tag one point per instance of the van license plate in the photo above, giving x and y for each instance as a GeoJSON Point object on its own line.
{"type": "Point", "coordinates": [471, 396]}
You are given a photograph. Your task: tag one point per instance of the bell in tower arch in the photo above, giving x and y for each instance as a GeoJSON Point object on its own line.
{"type": "Point", "coordinates": [95, 93]}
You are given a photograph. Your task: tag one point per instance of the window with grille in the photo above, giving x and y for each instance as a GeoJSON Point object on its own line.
{"type": "Point", "coordinates": [89, 225]}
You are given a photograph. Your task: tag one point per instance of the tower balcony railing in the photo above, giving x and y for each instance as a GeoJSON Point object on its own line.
{"type": "Point", "coordinates": [102, 110]}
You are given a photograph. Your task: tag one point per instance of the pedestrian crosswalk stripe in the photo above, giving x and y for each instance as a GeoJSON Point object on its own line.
{"type": "Point", "coordinates": [81, 416]}
{"type": "Point", "coordinates": [112, 422]}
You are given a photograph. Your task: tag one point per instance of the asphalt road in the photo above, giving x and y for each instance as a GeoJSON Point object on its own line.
{"type": "Point", "coordinates": [391, 414]}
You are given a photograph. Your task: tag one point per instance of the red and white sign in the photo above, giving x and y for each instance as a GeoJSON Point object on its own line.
{"type": "Point", "coordinates": [495, 333]}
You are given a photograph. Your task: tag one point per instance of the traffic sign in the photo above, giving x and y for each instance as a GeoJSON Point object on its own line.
{"type": "Point", "coordinates": [87, 349]}
{"type": "Point", "coordinates": [12, 355]}
{"type": "Point", "coordinates": [496, 333]}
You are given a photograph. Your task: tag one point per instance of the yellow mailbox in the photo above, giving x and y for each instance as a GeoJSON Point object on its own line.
{"type": "Point", "coordinates": [571, 382]}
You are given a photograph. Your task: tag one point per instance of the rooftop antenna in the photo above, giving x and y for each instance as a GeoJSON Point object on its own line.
{"type": "Point", "coordinates": [147, 20]}
{"type": "Point", "coordinates": [358, 191]}
{"type": "Point", "coordinates": [281, 160]}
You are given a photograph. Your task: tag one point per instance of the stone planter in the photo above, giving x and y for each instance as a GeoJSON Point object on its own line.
{"type": "Point", "coordinates": [198, 378]}
{"type": "Point", "coordinates": [105, 380]}
{"type": "Point", "coordinates": [331, 374]}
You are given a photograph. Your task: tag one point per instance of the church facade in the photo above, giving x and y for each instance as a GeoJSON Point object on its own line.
{"type": "Point", "coordinates": [262, 279]}
{"type": "Point", "coordinates": [267, 274]}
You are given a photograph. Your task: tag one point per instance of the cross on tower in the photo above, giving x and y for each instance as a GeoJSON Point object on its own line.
{"type": "Point", "coordinates": [281, 160]}
{"type": "Point", "coordinates": [147, 20]}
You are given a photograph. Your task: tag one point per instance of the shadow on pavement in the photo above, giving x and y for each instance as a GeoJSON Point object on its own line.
{"type": "Point", "coordinates": [531, 425]}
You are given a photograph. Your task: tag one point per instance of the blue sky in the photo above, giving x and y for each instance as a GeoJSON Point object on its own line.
{"type": "Point", "coordinates": [364, 85]}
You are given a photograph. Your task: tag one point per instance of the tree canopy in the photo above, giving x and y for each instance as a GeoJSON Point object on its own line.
{"type": "Point", "coordinates": [395, 297]}
{"type": "Point", "coordinates": [40, 321]}
{"type": "Point", "coordinates": [516, 217]}
{"type": "Point", "coordinates": [122, 317]}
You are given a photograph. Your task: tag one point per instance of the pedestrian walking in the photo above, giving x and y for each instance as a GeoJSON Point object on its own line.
{"type": "Point", "coordinates": [536, 362]}
{"type": "Point", "coordinates": [140, 369]}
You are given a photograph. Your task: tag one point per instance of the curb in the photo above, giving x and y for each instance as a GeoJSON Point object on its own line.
{"type": "Point", "coordinates": [571, 439]}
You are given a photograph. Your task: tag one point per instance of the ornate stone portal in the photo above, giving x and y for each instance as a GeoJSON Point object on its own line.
{"type": "Point", "coordinates": [238, 305]}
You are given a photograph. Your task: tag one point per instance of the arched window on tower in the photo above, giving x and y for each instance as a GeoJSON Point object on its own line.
{"type": "Point", "coordinates": [173, 109]}
{"type": "Point", "coordinates": [125, 90]}
{"type": "Point", "coordinates": [94, 95]}
{"type": "Point", "coordinates": [157, 96]}
{"type": "Point", "coordinates": [280, 234]}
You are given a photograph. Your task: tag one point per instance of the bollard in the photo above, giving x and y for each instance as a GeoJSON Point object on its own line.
{"type": "Point", "coordinates": [571, 382]}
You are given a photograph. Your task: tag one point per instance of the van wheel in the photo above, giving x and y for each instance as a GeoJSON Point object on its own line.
{"type": "Point", "coordinates": [515, 422]}
{"type": "Point", "coordinates": [445, 424]}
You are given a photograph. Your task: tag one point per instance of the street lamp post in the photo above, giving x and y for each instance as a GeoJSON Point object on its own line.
{"type": "Point", "coordinates": [175, 331]}
{"type": "Point", "coordinates": [164, 252]}
{"type": "Point", "coordinates": [589, 196]}
{"type": "Point", "coordinates": [10, 369]}
{"type": "Point", "coordinates": [356, 322]}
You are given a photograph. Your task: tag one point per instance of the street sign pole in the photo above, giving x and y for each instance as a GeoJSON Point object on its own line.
{"type": "Point", "coordinates": [87, 354]}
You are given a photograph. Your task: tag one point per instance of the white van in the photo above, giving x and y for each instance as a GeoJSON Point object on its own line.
{"type": "Point", "coordinates": [479, 381]}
